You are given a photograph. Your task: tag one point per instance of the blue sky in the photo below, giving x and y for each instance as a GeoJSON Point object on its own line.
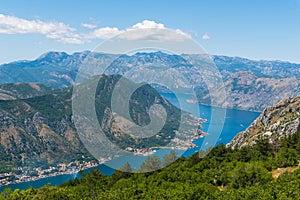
{"type": "Point", "coordinates": [257, 29]}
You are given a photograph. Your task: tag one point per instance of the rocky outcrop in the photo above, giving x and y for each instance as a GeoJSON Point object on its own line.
{"type": "Point", "coordinates": [279, 120]}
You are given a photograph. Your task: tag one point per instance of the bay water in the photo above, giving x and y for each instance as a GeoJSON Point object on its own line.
{"type": "Point", "coordinates": [235, 121]}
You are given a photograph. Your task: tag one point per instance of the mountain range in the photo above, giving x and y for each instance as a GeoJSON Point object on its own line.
{"type": "Point", "coordinates": [247, 82]}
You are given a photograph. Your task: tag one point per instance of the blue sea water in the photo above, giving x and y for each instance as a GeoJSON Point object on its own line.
{"type": "Point", "coordinates": [228, 124]}
{"type": "Point", "coordinates": [235, 121]}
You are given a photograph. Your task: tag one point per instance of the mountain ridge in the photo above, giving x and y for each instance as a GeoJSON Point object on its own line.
{"type": "Point", "coordinates": [215, 56]}
{"type": "Point", "coordinates": [59, 69]}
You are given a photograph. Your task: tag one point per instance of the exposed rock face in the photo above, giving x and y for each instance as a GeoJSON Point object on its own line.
{"type": "Point", "coordinates": [246, 90]}
{"type": "Point", "coordinates": [279, 120]}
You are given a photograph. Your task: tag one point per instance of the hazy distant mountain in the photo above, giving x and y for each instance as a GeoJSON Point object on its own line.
{"type": "Point", "coordinates": [248, 83]}
{"type": "Point", "coordinates": [262, 68]}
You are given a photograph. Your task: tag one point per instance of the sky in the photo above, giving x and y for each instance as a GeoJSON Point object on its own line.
{"type": "Point", "coordinates": [255, 29]}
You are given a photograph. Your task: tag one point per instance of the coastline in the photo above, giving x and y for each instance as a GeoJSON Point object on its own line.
{"type": "Point", "coordinates": [75, 167]}
{"type": "Point", "coordinates": [68, 170]}
{"type": "Point", "coordinates": [92, 164]}
{"type": "Point", "coordinates": [234, 119]}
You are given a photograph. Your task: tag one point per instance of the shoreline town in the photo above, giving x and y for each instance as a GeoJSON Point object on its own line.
{"type": "Point", "coordinates": [74, 167]}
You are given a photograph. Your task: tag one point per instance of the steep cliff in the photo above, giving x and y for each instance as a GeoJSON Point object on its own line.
{"type": "Point", "coordinates": [277, 121]}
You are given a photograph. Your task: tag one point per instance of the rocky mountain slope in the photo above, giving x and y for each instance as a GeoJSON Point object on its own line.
{"type": "Point", "coordinates": [39, 131]}
{"type": "Point", "coordinates": [248, 91]}
{"type": "Point", "coordinates": [247, 83]}
{"type": "Point", "coordinates": [277, 121]}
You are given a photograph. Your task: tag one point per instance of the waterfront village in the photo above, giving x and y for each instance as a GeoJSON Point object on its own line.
{"type": "Point", "coordinates": [24, 175]}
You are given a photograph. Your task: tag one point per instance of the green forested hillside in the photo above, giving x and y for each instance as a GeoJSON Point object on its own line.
{"type": "Point", "coordinates": [247, 173]}
{"type": "Point", "coordinates": [39, 131]}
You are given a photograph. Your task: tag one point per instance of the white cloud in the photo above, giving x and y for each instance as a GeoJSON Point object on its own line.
{"type": "Point", "coordinates": [104, 33]}
{"type": "Point", "coordinates": [54, 30]}
{"type": "Point", "coordinates": [145, 30]}
{"type": "Point", "coordinates": [151, 30]}
{"type": "Point", "coordinates": [70, 40]}
{"type": "Point", "coordinates": [205, 36]}
{"type": "Point", "coordinates": [154, 35]}
{"type": "Point", "coordinates": [90, 26]}
{"type": "Point", "coordinates": [148, 24]}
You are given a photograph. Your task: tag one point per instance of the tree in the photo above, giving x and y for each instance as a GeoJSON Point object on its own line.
{"type": "Point", "coordinates": [126, 168]}
{"type": "Point", "coordinates": [152, 163]}
{"type": "Point", "coordinates": [170, 158]}
{"type": "Point", "coordinates": [7, 192]}
{"type": "Point", "coordinates": [287, 157]}
{"type": "Point", "coordinates": [249, 174]}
